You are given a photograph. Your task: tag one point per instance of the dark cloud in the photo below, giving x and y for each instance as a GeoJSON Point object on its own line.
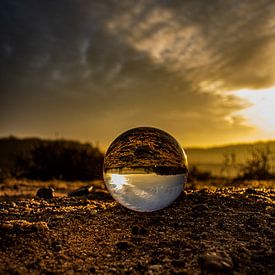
{"type": "Point", "coordinates": [94, 68]}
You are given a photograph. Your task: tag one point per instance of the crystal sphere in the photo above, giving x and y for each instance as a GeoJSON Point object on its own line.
{"type": "Point", "coordinates": [145, 169]}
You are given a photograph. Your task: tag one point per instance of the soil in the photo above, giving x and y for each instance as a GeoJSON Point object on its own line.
{"type": "Point", "coordinates": [206, 231]}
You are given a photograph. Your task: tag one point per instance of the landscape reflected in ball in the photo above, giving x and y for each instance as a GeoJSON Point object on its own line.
{"type": "Point", "coordinates": [145, 169]}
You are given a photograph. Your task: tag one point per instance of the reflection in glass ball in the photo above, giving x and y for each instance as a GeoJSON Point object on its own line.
{"type": "Point", "coordinates": [145, 169]}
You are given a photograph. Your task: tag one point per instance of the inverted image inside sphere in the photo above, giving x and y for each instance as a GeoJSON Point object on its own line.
{"type": "Point", "coordinates": [144, 192]}
{"type": "Point", "coordinates": [145, 169]}
{"type": "Point", "coordinates": [146, 148]}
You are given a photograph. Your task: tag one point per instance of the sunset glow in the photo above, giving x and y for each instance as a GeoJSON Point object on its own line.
{"type": "Point", "coordinates": [202, 71]}
{"type": "Point", "coordinates": [261, 112]}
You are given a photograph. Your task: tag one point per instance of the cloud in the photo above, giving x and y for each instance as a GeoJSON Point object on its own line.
{"type": "Point", "coordinates": [71, 65]}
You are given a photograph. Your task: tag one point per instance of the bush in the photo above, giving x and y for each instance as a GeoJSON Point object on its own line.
{"type": "Point", "coordinates": [195, 174]}
{"type": "Point", "coordinates": [66, 160]}
{"type": "Point", "coordinates": [257, 166]}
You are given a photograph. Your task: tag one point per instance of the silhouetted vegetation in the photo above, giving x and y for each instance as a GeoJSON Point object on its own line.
{"type": "Point", "coordinates": [196, 174]}
{"type": "Point", "coordinates": [66, 160]}
{"type": "Point", "coordinates": [229, 164]}
{"type": "Point", "coordinates": [257, 167]}
{"type": "Point", "coordinates": [17, 159]}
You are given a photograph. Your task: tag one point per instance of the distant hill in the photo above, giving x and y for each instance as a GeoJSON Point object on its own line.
{"type": "Point", "coordinates": [211, 159]}
{"type": "Point", "coordinates": [11, 147]}
{"type": "Point", "coordinates": [64, 159]}
{"type": "Point", "coordinates": [205, 159]}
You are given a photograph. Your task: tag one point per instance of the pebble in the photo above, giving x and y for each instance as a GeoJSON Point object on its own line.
{"type": "Point", "coordinates": [23, 226]}
{"type": "Point", "coordinates": [83, 191]}
{"type": "Point", "coordinates": [203, 191]}
{"type": "Point", "coordinates": [124, 245]}
{"type": "Point", "coordinates": [45, 193]}
{"type": "Point", "coordinates": [254, 221]}
{"type": "Point", "coordinates": [155, 268]}
{"type": "Point", "coordinates": [178, 263]}
{"type": "Point", "coordinates": [200, 208]}
{"type": "Point", "coordinates": [141, 267]}
{"type": "Point", "coordinates": [270, 210]}
{"type": "Point", "coordinates": [92, 269]}
{"type": "Point", "coordinates": [100, 195]}
{"type": "Point", "coordinates": [56, 246]}
{"type": "Point", "coordinates": [93, 212]}
{"type": "Point", "coordinates": [136, 230]}
{"type": "Point", "coordinates": [215, 263]}
{"type": "Point", "coordinates": [250, 191]}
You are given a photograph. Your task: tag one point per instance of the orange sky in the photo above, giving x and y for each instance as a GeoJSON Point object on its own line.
{"type": "Point", "coordinates": [203, 71]}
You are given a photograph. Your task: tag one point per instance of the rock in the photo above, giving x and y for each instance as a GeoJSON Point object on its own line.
{"type": "Point", "coordinates": [141, 267]}
{"type": "Point", "coordinates": [100, 195]}
{"type": "Point", "coordinates": [124, 245]}
{"type": "Point", "coordinates": [203, 191]}
{"type": "Point", "coordinates": [41, 226]}
{"type": "Point", "coordinates": [23, 226]}
{"type": "Point", "coordinates": [199, 209]}
{"type": "Point", "coordinates": [250, 191]}
{"type": "Point", "coordinates": [45, 193]}
{"type": "Point", "coordinates": [83, 191]}
{"type": "Point", "coordinates": [143, 231]}
{"type": "Point", "coordinates": [92, 269]}
{"type": "Point", "coordinates": [136, 230]}
{"type": "Point", "coordinates": [254, 221]}
{"type": "Point", "coordinates": [56, 246]}
{"type": "Point", "coordinates": [178, 263]}
{"type": "Point", "coordinates": [204, 235]}
{"type": "Point", "coordinates": [212, 262]}
{"type": "Point", "coordinates": [155, 268]}
{"type": "Point", "coordinates": [270, 210]}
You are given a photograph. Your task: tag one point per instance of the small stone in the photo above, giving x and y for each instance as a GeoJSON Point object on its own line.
{"type": "Point", "coordinates": [270, 210]}
{"type": "Point", "coordinates": [155, 268]}
{"type": "Point", "coordinates": [124, 245]}
{"type": "Point", "coordinates": [4, 211]}
{"type": "Point", "coordinates": [92, 269]}
{"type": "Point", "coordinates": [100, 195]}
{"type": "Point", "coordinates": [178, 263]}
{"type": "Point", "coordinates": [136, 230]}
{"type": "Point", "coordinates": [41, 226]}
{"type": "Point", "coordinates": [254, 221]}
{"type": "Point", "coordinates": [143, 231]}
{"type": "Point", "coordinates": [141, 267]}
{"type": "Point", "coordinates": [203, 191]}
{"type": "Point", "coordinates": [6, 226]}
{"type": "Point", "coordinates": [200, 208]}
{"type": "Point", "coordinates": [56, 246]}
{"type": "Point", "coordinates": [212, 262]}
{"type": "Point", "coordinates": [250, 191]}
{"type": "Point", "coordinates": [83, 191]}
{"type": "Point", "coordinates": [45, 193]}
{"type": "Point", "coordinates": [93, 212]}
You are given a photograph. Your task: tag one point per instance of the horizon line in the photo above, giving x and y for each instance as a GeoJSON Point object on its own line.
{"type": "Point", "coordinates": [185, 148]}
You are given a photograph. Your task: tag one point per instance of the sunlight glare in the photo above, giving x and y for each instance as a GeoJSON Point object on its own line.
{"type": "Point", "coordinates": [118, 181]}
{"type": "Point", "coordinates": [261, 113]}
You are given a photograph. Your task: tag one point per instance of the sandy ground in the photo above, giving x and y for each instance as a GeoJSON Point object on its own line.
{"type": "Point", "coordinates": [206, 231]}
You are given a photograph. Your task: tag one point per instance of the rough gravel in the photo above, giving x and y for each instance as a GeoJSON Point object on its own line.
{"type": "Point", "coordinates": [207, 231]}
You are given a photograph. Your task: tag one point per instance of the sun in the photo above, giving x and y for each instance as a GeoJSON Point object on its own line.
{"type": "Point", "coordinates": [261, 112]}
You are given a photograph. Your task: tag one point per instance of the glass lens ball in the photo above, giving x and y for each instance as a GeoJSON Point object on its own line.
{"type": "Point", "coordinates": [145, 169]}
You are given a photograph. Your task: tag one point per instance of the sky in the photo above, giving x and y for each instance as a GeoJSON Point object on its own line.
{"type": "Point", "coordinates": [202, 70]}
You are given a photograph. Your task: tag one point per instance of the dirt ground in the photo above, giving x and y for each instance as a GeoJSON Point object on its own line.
{"type": "Point", "coordinates": [206, 231]}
